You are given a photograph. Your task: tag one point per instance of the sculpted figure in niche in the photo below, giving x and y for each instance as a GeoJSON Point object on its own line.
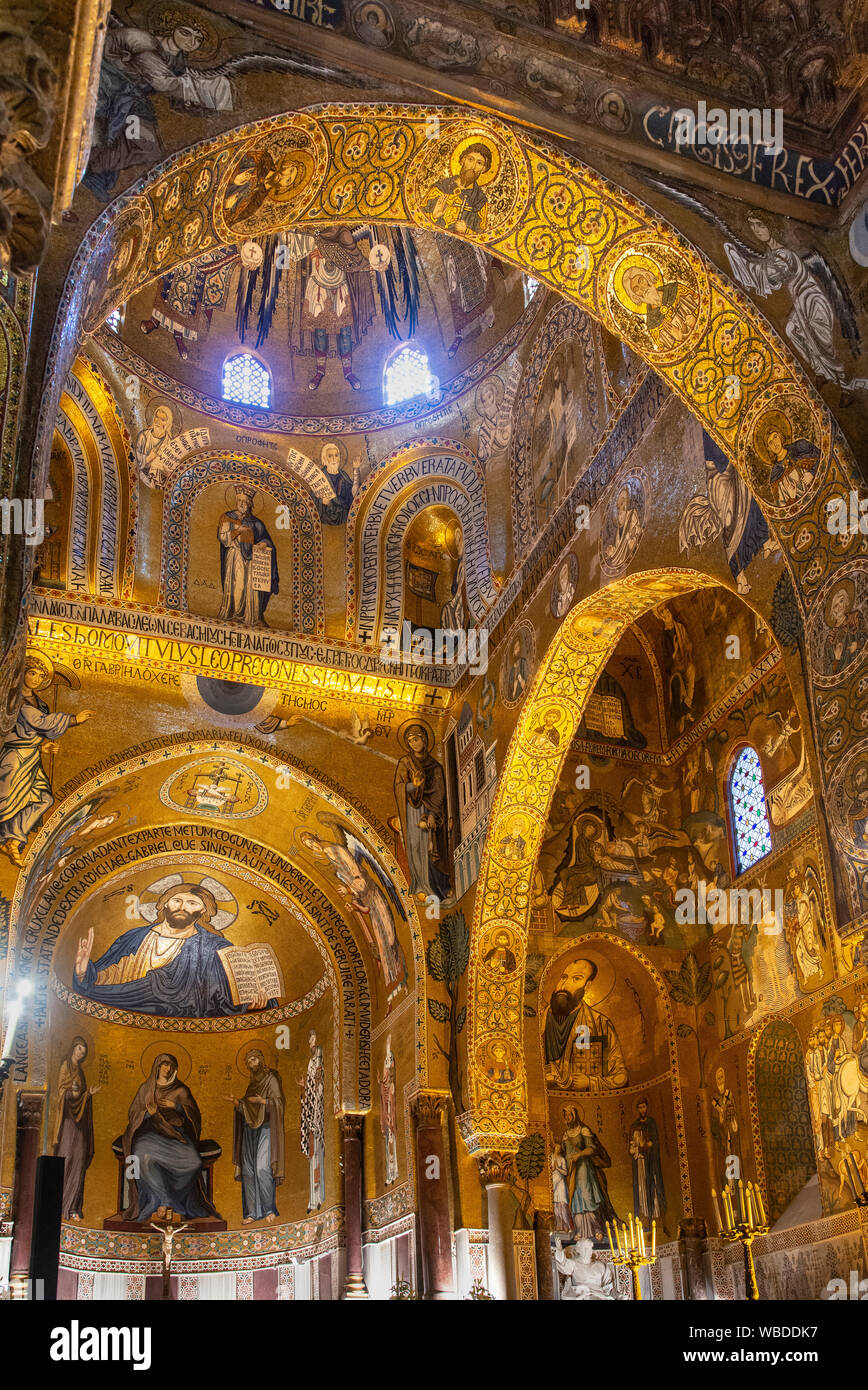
{"type": "Point", "coordinates": [588, 1060]}
{"type": "Point", "coordinates": [172, 968]}
{"type": "Point", "coordinates": [257, 1147]}
{"type": "Point", "coordinates": [163, 1134]}
{"type": "Point", "coordinates": [248, 581]}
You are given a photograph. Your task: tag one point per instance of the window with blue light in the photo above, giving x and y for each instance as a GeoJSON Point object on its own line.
{"type": "Point", "coordinates": [747, 799]}
{"type": "Point", "coordinates": [246, 381]}
{"type": "Point", "coordinates": [407, 375]}
{"type": "Point", "coordinates": [529, 288]}
{"type": "Point", "coordinates": [115, 319]}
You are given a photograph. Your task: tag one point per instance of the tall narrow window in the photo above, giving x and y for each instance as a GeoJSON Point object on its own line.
{"type": "Point", "coordinates": [407, 375]}
{"type": "Point", "coordinates": [747, 799]}
{"type": "Point", "coordinates": [246, 381]}
{"type": "Point", "coordinates": [115, 319]}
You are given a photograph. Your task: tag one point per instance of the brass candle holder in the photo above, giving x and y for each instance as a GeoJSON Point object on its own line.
{"type": "Point", "coordinates": [630, 1248]}
{"type": "Point", "coordinates": [743, 1225]}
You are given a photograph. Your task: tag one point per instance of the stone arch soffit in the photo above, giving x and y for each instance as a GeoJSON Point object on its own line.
{"type": "Point", "coordinates": [105, 497]}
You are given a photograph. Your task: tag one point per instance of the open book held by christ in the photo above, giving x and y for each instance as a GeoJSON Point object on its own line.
{"type": "Point", "coordinates": [252, 971]}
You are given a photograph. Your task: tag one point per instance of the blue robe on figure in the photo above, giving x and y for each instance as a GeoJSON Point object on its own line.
{"type": "Point", "coordinates": [193, 985]}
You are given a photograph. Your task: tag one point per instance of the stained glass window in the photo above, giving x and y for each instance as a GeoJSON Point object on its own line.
{"type": "Point", "coordinates": [753, 836]}
{"type": "Point", "coordinates": [407, 375]}
{"type": "Point", "coordinates": [115, 319]}
{"type": "Point", "coordinates": [246, 381]}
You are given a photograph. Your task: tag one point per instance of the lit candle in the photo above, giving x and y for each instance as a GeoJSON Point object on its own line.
{"type": "Point", "coordinates": [760, 1208]}
{"type": "Point", "coordinates": [640, 1231]}
{"type": "Point", "coordinates": [716, 1211]}
{"type": "Point", "coordinates": [749, 1207]}
{"type": "Point", "coordinates": [611, 1242]}
{"type": "Point", "coordinates": [654, 1240]}
{"type": "Point", "coordinates": [730, 1216]}
{"type": "Point", "coordinates": [741, 1213]}
{"type": "Point", "coordinates": [632, 1233]}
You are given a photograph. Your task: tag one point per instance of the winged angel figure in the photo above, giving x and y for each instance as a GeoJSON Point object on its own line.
{"type": "Point", "coordinates": [171, 55]}
{"type": "Point", "coordinates": [371, 893]}
{"type": "Point", "coordinates": [818, 297]}
{"type": "Point", "coordinates": [728, 510]}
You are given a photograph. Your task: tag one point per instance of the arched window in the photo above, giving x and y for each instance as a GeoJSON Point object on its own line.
{"type": "Point", "coordinates": [747, 799]}
{"type": "Point", "coordinates": [246, 381]}
{"type": "Point", "coordinates": [407, 375]}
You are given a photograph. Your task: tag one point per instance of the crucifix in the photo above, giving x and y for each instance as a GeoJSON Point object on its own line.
{"type": "Point", "coordinates": [168, 1234]}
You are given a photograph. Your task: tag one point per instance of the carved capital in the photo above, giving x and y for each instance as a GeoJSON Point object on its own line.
{"type": "Point", "coordinates": [430, 1108]}
{"type": "Point", "coordinates": [496, 1167]}
{"type": "Point", "coordinates": [351, 1126]}
{"type": "Point", "coordinates": [30, 1107]}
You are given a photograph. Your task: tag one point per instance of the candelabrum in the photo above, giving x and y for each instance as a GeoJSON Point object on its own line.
{"type": "Point", "coordinates": [630, 1247]}
{"type": "Point", "coordinates": [853, 1174]}
{"type": "Point", "coordinates": [743, 1222]}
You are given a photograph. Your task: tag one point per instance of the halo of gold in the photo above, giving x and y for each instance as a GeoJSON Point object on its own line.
{"type": "Point", "coordinates": [603, 982]}
{"type": "Point", "coordinates": [36, 658]}
{"type": "Point", "coordinates": [477, 139]}
{"type": "Point", "coordinates": [635, 261]}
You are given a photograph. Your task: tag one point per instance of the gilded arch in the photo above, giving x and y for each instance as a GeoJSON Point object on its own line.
{"type": "Point", "coordinates": [602, 250]}
{"type": "Point", "coordinates": [36, 911]}
{"type": "Point", "coordinates": [565, 679]}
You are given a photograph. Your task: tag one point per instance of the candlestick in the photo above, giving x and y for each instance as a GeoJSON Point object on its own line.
{"type": "Point", "coordinates": [716, 1211]}
{"type": "Point", "coordinates": [761, 1207]}
{"type": "Point", "coordinates": [751, 1223]}
{"type": "Point", "coordinates": [632, 1249]}
{"type": "Point", "coordinates": [654, 1240]}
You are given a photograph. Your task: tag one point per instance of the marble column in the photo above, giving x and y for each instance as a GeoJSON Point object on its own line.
{"type": "Point", "coordinates": [432, 1189]}
{"type": "Point", "coordinates": [351, 1132]}
{"type": "Point", "coordinates": [543, 1225]}
{"type": "Point", "coordinates": [496, 1170]}
{"type": "Point", "coordinates": [29, 1112]}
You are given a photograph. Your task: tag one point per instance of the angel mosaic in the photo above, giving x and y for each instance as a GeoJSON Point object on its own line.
{"type": "Point", "coordinates": [25, 790]}
{"type": "Point", "coordinates": [820, 300]}
{"type": "Point", "coordinates": [331, 291]}
{"type": "Point", "coordinates": [371, 893]}
{"type": "Point", "coordinates": [728, 511]}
